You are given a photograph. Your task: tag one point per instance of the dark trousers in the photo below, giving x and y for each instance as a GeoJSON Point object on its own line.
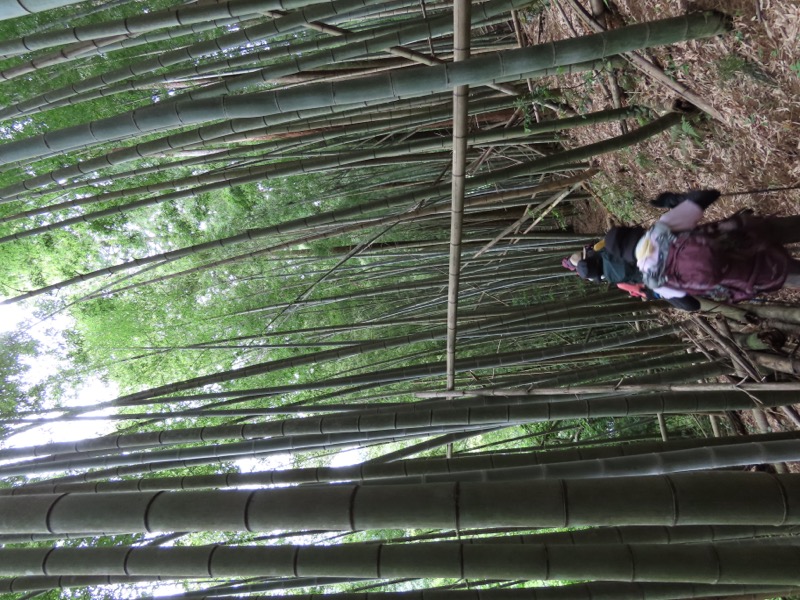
{"type": "Point", "coordinates": [793, 276]}
{"type": "Point", "coordinates": [786, 230]}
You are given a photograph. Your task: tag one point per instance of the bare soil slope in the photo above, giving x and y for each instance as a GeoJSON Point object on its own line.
{"type": "Point", "coordinates": [750, 76]}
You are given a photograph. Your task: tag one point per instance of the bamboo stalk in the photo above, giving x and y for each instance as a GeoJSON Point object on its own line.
{"type": "Point", "coordinates": [651, 70]}
{"type": "Point", "coordinates": [461, 43]}
{"type": "Point", "coordinates": [629, 389]}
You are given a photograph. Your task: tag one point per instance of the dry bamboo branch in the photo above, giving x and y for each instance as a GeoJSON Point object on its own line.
{"type": "Point", "coordinates": [729, 348]}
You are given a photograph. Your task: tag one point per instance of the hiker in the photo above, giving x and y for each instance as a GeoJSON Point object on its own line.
{"type": "Point", "coordinates": [594, 264]}
{"type": "Point", "coordinates": [598, 266]}
{"type": "Point", "coordinates": [730, 260]}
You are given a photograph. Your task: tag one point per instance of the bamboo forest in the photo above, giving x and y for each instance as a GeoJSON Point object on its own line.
{"type": "Point", "coordinates": [295, 320]}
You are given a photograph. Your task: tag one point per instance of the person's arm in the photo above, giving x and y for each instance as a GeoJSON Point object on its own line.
{"type": "Point", "coordinates": [703, 198]}
{"type": "Point", "coordinates": [686, 209]}
{"type": "Point", "coordinates": [683, 217]}
{"type": "Point", "coordinates": [636, 290]}
{"type": "Point", "coordinates": [667, 293]}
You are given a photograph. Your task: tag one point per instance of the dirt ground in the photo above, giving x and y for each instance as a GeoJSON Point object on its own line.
{"type": "Point", "coordinates": [750, 77]}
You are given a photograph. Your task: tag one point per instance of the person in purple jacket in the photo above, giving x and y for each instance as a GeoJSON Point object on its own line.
{"type": "Point", "coordinates": [731, 260]}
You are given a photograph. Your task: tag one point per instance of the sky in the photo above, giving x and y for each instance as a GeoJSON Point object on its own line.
{"type": "Point", "coordinates": [92, 391]}
{"type": "Point", "coordinates": [11, 316]}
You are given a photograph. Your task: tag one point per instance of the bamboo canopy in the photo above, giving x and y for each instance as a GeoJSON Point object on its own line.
{"type": "Point", "coordinates": [317, 246]}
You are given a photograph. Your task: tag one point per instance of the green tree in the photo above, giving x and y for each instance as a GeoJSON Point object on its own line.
{"type": "Point", "coordinates": [18, 352]}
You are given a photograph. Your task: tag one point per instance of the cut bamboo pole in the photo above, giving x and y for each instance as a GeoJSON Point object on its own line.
{"type": "Point", "coordinates": [461, 43]}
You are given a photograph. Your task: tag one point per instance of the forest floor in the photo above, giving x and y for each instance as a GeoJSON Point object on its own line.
{"type": "Point", "coordinates": [750, 77]}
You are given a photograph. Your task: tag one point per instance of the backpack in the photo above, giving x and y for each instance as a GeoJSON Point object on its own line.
{"type": "Point", "coordinates": [729, 260]}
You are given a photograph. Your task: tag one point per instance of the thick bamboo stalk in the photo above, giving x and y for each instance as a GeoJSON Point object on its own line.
{"type": "Point", "coordinates": [651, 70]}
{"type": "Point", "coordinates": [623, 389]}
{"type": "Point", "coordinates": [366, 471]}
{"type": "Point", "coordinates": [492, 416]}
{"type": "Point", "coordinates": [230, 41]}
{"type": "Point", "coordinates": [717, 457]}
{"type": "Point", "coordinates": [236, 132]}
{"type": "Point", "coordinates": [210, 453]}
{"type": "Point", "coordinates": [137, 24]}
{"type": "Point", "coordinates": [461, 43]}
{"type": "Point", "coordinates": [411, 82]}
{"type": "Point", "coordinates": [697, 563]}
{"type": "Point", "coordinates": [583, 591]}
{"type": "Point", "coordinates": [707, 498]}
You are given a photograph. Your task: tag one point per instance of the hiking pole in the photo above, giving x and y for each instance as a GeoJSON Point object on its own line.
{"type": "Point", "coordinates": [762, 191]}
{"type": "Point", "coordinates": [672, 199]}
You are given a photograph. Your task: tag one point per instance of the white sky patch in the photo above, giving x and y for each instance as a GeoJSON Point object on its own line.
{"type": "Point", "coordinates": [11, 315]}
{"type": "Point", "coordinates": [345, 458]}
{"type": "Point", "coordinates": [95, 391]}
{"type": "Point", "coordinates": [280, 462]}
{"type": "Point", "coordinates": [275, 462]}
{"type": "Point", "coordinates": [92, 391]}
{"type": "Point", "coordinates": [165, 589]}
{"type": "Point", "coordinates": [68, 431]}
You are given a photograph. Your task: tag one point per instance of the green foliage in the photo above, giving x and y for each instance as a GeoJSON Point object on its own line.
{"type": "Point", "coordinates": [672, 68]}
{"type": "Point", "coordinates": [560, 219]}
{"type": "Point", "coordinates": [644, 161]}
{"type": "Point", "coordinates": [688, 129]}
{"type": "Point", "coordinates": [541, 94]}
{"type": "Point", "coordinates": [17, 353]}
{"type": "Point", "coordinates": [734, 66]}
{"type": "Point", "coordinates": [619, 202]}
{"type": "Point", "coordinates": [34, 262]}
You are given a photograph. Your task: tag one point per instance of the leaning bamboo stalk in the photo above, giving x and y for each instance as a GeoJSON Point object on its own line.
{"type": "Point", "coordinates": [230, 41]}
{"type": "Point", "coordinates": [582, 591]}
{"type": "Point", "coordinates": [135, 398]}
{"type": "Point", "coordinates": [461, 43]}
{"type": "Point", "coordinates": [675, 461]}
{"type": "Point", "coordinates": [422, 149]}
{"type": "Point", "coordinates": [133, 25]}
{"type": "Point", "coordinates": [549, 204]}
{"type": "Point", "coordinates": [415, 81]}
{"type": "Point", "coordinates": [326, 131]}
{"type": "Point", "coordinates": [210, 453]}
{"type": "Point", "coordinates": [396, 469]}
{"type": "Point", "coordinates": [727, 345]}
{"type": "Point", "coordinates": [70, 53]}
{"type": "Point", "coordinates": [788, 314]}
{"type": "Point", "coordinates": [624, 389]}
{"type": "Point", "coordinates": [783, 364]}
{"type": "Point", "coordinates": [378, 420]}
{"type": "Point", "coordinates": [651, 70]}
{"type": "Point", "coordinates": [419, 57]}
